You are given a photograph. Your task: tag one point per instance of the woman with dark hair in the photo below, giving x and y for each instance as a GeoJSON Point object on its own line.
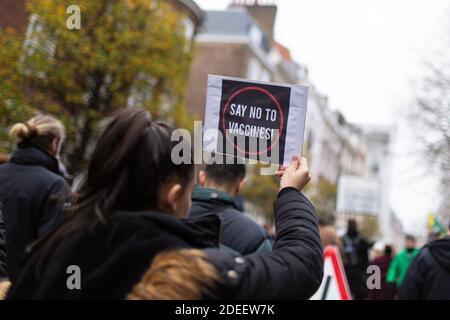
{"type": "Point", "coordinates": [32, 190]}
{"type": "Point", "coordinates": [129, 212]}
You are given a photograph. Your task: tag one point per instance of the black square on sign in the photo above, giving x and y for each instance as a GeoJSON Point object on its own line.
{"type": "Point", "coordinates": [251, 112]}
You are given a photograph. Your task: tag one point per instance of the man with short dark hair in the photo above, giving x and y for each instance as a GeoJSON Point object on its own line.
{"type": "Point", "coordinates": [218, 186]}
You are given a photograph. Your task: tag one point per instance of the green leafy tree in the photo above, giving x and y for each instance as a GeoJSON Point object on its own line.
{"type": "Point", "coordinates": [127, 52]}
{"type": "Point", "coordinates": [14, 106]}
{"type": "Point", "coordinates": [323, 195]}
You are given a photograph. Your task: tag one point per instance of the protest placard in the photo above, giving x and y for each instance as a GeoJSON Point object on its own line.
{"type": "Point", "coordinates": [254, 120]}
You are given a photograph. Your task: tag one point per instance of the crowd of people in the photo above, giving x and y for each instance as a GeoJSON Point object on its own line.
{"type": "Point", "coordinates": [127, 227]}
{"type": "Point", "coordinates": [138, 226]}
{"type": "Point", "coordinates": [412, 274]}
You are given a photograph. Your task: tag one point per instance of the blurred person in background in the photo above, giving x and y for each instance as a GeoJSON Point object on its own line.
{"type": "Point", "coordinates": [32, 189]}
{"type": "Point", "coordinates": [270, 229]}
{"type": "Point", "coordinates": [428, 277]}
{"type": "Point", "coordinates": [377, 250]}
{"type": "Point", "coordinates": [386, 292]}
{"type": "Point", "coordinates": [402, 261]}
{"type": "Point", "coordinates": [219, 184]}
{"type": "Point", "coordinates": [356, 260]}
{"type": "Point", "coordinates": [328, 235]}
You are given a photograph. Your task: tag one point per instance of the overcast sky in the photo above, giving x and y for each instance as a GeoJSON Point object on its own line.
{"type": "Point", "coordinates": [364, 54]}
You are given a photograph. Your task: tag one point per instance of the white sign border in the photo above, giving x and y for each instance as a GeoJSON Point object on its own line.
{"type": "Point", "coordinates": [295, 129]}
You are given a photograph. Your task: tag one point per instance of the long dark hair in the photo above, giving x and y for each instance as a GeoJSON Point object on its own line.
{"type": "Point", "coordinates": [130, 163]}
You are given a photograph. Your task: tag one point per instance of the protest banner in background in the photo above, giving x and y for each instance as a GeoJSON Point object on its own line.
{"type": "Point", "coordinates": [254, 120]}
{"type": "Point", "coordinates": [358, 195]}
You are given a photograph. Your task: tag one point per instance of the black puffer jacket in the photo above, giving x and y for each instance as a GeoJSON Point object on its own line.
{"type": "Point", "coordinates": [32, 196]}
{"type": "Point", "coordinates": [239, 233]}
{"type": "Point", "coordinates": [293, 270]}
{"type": "Point", "coordinates": [428, 277]}
{"type": "Point", "coordinates": [114, 256]}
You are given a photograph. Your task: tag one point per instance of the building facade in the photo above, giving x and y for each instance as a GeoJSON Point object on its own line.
{"type": "Point", "coordinates": [334, 147]}
{"type": "Point", "coordinates": [379, 160]}
{"type": "Point", "coordinates": [230, 43]}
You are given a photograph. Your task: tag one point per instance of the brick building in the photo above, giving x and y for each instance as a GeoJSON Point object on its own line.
{"type": "Point", "coordinates": [238, 42]}
{"type": "Point", "coordinates": [13, 14]}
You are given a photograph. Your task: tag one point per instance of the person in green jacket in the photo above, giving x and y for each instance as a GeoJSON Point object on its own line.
{"type": "Point", "coordinates": [399, 266]}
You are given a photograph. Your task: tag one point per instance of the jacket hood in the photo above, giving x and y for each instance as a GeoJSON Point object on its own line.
{"type": "Point", "coordinates": [199, 232]}
{"type": "Point", "coordinates": [28, 154]}
{"type": "Point", "coordinates": [440, 250]}
{"type": "Point", "coordinates": [214, 197]}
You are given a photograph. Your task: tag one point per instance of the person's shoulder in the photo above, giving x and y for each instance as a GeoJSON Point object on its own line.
{"type": "Point", "coordinates": [42, 175]}
{"type": "Point", "coordinates": [401, 254]}
{"type": "Point", "coordinates": [240, 218]}
{"type": "Point", "coordinates": [125, 221]}
{"type": "Point", "coordinates": [53, 182]}
{"type": "Point", "coordinates": [6, 167]}
{"type": "Point", "coordinates": [424, 260]}
{"type": "Point", "coordinates": [57, 179]}
{"type": "Point", "coordinates": [34, 177]}
{"type": "Point", "coordinates": [377, 260]}
{"type": "Point", "coordinates": [200, 208]}
{"type": "Point", "coordinates": [424, 253]}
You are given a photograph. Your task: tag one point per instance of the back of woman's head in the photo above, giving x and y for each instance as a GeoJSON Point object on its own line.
{"type": "Point", "coordinates": [129, 165]}
{"type": "Point", "coordinates": [41, 131]}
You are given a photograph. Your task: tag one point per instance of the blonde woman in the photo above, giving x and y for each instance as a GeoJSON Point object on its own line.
{"type": "Point", "coordinates": [31, 189]}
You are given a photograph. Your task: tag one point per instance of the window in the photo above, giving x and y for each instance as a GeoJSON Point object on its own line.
{"type": "Point", "coordinates": [254, 69]}
{"type": "Point", "coordinates": [256, 36]}
{"type": "Point", "coordinates": [189, 28]}
{"type": "Point", "coordinates": [37, 41]}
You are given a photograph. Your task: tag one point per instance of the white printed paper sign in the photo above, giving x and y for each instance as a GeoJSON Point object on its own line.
{"type": "Point", "coordinates": [254, 120]}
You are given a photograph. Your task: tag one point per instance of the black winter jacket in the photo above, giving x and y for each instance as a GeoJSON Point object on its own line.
{"type": "Point", "coordinates": [428, 276]}
{"type": "Point", "coordinates": [32, 194]}
{"type": "Point", "coordinates": [114, 256]}
{"type": "Point", "coordinates": [293, 270]}
{"type": "Point", "coordinates": [239, 233]}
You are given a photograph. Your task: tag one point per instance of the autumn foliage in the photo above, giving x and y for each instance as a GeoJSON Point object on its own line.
{"type": "Point", "coordinates": [127, 53]}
